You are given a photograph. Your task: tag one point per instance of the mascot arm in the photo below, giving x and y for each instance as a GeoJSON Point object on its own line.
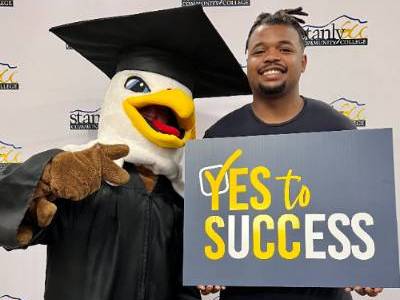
{"type": "Point", "coordinates": [18, 183]}
{"type": "Point", "coordinates": [68, 175]}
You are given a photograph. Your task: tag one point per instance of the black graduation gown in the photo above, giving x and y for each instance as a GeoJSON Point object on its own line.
{"type": "Point", "coordinates": [119, 243]}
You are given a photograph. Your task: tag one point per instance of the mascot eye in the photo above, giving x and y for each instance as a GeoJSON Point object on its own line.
{"type": "Point", "coordinates": [137, 85]}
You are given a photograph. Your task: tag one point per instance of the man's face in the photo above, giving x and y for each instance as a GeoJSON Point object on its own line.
{"type": "Point", "coordinates": [275, 60]}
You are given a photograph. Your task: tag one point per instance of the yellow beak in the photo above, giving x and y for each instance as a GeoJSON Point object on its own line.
{"type": "Point", "coordinates": [178, 101]}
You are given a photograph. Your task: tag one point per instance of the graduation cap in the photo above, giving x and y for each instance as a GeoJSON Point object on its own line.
{"type": "Point", "coordinates": [180, 43]}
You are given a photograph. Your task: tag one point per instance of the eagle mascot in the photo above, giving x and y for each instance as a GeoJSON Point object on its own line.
{"type": "Point", "coordinates": [110, 211]}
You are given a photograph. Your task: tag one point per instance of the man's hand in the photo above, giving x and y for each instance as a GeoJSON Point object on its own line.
{"type": "Point", "coordinates": [210, 289]}
{"type": "Point", "coordinates": [372, 292]}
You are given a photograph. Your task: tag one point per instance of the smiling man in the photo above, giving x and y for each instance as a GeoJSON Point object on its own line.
{"type": "Point", "coordinates": [275, 62]}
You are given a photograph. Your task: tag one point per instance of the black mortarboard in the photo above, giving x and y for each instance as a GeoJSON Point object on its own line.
{"type": "Point", "coordinates": [180, 43]}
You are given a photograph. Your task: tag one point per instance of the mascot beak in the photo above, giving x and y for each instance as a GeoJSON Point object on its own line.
{"type": "Point", "coordinates": [166, 117]}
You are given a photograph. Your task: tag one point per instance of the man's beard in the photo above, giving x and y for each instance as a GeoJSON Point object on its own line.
{"type": "Point", "coordinates": [272, 91]}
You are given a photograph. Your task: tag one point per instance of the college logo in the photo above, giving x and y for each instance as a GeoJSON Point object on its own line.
{"type": "Point", "coordinates": [7, 80]}
{"type": "Point", "coordinates": [351, 109]}
{"type": "Point", "coordinates": [9, 153]}
{"type": "Point", "coordinates": [7, 3]}
{"type": "Point", "coordinates": [208, 3]}
{"type": "Point", "coordinates": [342, 31]}
{"type": "Point", "coordinates": [84, 120]}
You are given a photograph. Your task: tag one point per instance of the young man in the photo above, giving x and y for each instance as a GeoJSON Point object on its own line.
{"type": "Point", "coordinates": [275, 62]}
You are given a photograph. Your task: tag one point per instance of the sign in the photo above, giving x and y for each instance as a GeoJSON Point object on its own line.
{"type": "Point", "coordinates": [306, 209]}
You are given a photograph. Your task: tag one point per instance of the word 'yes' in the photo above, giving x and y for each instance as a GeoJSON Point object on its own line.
{"type": "Point", "coordinates": [302, 199]}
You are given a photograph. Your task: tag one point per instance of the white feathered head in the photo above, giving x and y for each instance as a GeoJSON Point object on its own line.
{"type": "Point", "coordinates": [158, 62]}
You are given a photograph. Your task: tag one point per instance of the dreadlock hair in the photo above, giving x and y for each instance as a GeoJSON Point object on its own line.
{"type": "Point", "coordinates": [282, 17]}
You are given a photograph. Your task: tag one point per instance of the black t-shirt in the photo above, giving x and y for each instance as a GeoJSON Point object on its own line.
{"type": "Point", "coordinates": [315, 116]}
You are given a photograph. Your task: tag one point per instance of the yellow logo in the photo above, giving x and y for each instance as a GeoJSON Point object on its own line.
{"type": "Point", "coordinates": [354, 110]}
{"type": "Point", "coordinates": [342, 31]}
{"type": "Point", "coordinates": [7, 77]}
{"type": "Point", "coordinates": [10, 153]}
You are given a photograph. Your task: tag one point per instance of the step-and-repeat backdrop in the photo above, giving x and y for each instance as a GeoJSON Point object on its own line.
{"type": "Point", "coordinates": [50, 96]}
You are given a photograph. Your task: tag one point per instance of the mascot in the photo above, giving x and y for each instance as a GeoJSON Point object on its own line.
{"type": "Point", "coordinates": [110, 211]}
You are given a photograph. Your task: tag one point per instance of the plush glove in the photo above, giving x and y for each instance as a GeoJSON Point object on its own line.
{"type": "Point", "coordinates": [74, 176]}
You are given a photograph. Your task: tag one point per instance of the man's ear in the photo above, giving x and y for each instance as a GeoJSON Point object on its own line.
{"type": "Point", "coordinates": [303, 63]}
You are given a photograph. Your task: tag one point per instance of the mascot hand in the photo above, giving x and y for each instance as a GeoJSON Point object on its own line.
{"type": "Point", "coordinates": [74, 176]}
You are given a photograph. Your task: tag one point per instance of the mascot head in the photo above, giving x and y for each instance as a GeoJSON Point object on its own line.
{"type": "Point", "coordinates": [158, 62]}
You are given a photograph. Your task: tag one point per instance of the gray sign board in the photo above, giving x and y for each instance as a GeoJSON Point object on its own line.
{"type": "Point", "coordinates": [306, 209]}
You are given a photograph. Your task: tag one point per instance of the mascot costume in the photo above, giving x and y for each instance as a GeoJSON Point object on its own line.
{"type": "Point", "coordinates": [113, 230]}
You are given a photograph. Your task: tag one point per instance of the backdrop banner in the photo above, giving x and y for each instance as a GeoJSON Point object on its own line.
{"type": "Point", "coordinates": [51, 96]}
